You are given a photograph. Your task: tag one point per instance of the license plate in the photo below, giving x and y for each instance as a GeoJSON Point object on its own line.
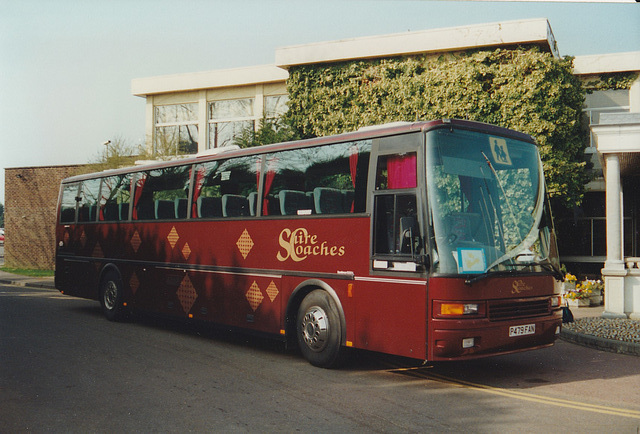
{"type": "Point", "coordinates": [522, 330]}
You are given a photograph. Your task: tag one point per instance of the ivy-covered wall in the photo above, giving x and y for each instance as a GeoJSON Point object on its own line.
{"type": "Point", "coordinates": [523, 89]}
{"type": "Point", "coordinates": [611, 81]}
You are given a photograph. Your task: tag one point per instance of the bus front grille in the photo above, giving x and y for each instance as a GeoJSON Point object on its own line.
{"type": "Point", "coordinates": [502, 310]}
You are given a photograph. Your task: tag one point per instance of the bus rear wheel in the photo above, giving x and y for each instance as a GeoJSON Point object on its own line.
{"type": "Point", "coordinates": [112, 297]}
{"type": "Point", "coordinates": [319, 329]}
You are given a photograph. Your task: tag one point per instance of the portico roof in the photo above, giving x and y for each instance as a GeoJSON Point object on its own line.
{"type": "Point", "coordinates": [619, 133]}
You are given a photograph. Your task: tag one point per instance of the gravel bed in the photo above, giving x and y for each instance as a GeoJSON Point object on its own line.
{"type": "Point", "coordinates": [618, 329]}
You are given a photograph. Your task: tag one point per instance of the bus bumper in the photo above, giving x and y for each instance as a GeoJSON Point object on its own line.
{"type": "Point", "coordinates": [493, 339]}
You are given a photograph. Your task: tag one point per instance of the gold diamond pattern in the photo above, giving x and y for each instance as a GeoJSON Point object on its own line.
{"type": "Point", "coordinates": [173, 237]}
{"type": "Point", "coordinates": [272, 291]}
{"type": "Point", "coordinates": [245, 244]}
{"type": "Point", "coordinates": [186, 294]}
{"type": "Point", "coordinates": [134, 283]}
{"type": "Point", "coordinates": [186, 251]}
{"type": "Point", "coordinates": [254, 296]}
{"type": "Point", "coordinates": [136, 241]}
{"type": "Point", "coordinates": [83, 239]}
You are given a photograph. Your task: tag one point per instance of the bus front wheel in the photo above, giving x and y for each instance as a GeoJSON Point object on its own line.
{"type": "Point", "coordinates": [111, 297]}
{"type": "Point", "coordinates": [319, 330]}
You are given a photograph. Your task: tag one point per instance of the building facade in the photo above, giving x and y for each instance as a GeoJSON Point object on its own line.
{"type": "Point", "coordinates": [195, 112]}
{"type": "Point", "coordinates": [190, 113]}
{"type": "Point", "coordinates": [587, 251]}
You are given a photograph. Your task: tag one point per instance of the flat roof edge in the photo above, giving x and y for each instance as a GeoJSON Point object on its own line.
{"type": "Point", "coordinates": [208, 80]}
{"type": "Point", "coordinates": [606, 63]}
{"type": "Point", "coordinates": [530, 31]}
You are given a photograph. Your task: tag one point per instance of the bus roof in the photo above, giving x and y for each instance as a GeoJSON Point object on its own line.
{"type": "Point", "coordinates": [369, 132]}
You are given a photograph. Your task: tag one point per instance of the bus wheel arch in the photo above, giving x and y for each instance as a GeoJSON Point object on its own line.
{"type": "Point", "coordinates": [315, 320]}
{"type": "Point", "coordinates": [111, 293]}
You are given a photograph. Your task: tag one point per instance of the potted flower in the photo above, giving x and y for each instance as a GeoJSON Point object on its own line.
{"type": "Point", "coordinates": [569, 283]}
{"type": "Point", "coordinates": [579, 297]}
{"type": "Point", "coordinates": [595, 287]}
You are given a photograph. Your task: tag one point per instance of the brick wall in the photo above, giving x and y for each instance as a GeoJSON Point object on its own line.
{"type": "Point", "coordinates": [31, 196]}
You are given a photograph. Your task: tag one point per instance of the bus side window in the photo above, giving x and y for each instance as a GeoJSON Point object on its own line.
{"type": "Point", "coordinates": [88, 204]}
{"type": "Point", "coordinates": [328, 179]}
{"type": "Point", "coordinates": [115, 197]}
{"type": "Point", "coordinates": [161, 194]}
{"type": "Point", "coordinates": [226, 188]}
{"type": "Point", "coordinates": [396, 171]}
{"type": "Point", "coordinates": [395, 224]}
{"type": "Point", "coordinates": [68, 203]}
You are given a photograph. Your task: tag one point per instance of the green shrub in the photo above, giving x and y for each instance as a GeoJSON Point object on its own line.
{"type": "Point", "coordinates": [523, 89]}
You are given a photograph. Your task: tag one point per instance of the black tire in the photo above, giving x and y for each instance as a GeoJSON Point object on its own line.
{"type": "Point", "coordinates": [112, 297]}
{"type": "Point", "coordinates": [319, 330]}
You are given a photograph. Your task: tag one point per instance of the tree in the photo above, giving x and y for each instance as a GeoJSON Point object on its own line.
{"type": "Point", "coordinates": [269, 131]}
{"type": "Point", "coordinates": [1, 215]}
{"type": "Point", "coordinates": [117, 153]}
{"type": "Point", "coordinates": [523, 89]}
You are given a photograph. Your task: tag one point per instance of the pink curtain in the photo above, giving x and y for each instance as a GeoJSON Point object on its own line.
{"type": "Point", "coordinates": [401, 171]}
{"type": "Point", "coordinates": [197, 188]}
{"type": "Point", "coordinates": [137, 194]}
{"type": "Point", "coordinates": [268, 182]}
{"type": "Point", "coordinates": [353, 167]}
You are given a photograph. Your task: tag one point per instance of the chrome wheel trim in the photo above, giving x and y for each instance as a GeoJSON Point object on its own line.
{"type": "Point", "coordinates": [110, 295]}
{"type": "Point", "coordinates": [315, 329]}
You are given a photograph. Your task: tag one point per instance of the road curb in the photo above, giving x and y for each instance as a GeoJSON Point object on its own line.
{"type": "Point", "coordinates": [28, 284]}
{"type": "Point", "coordinates": [620, 347]}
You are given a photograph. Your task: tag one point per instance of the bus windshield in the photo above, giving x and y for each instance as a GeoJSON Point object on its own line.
{"type": "Point", "coordinates": [486, 196]}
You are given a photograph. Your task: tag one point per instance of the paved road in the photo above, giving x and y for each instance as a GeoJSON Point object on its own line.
{"type": "Point", "coordinates": [64, 368]}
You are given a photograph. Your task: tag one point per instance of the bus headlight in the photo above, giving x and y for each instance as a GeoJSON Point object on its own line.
{"type": "Point", "coordinates": [458, 309]}
{"type": "Point", "coordinates": [443, 309]}
{"type": "Point", "coordinates": [468, 342]}
{"type": "Point", "coordinates": [556, 301]}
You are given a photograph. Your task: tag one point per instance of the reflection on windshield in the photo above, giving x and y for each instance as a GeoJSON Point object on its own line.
{"type": "Point", "coordinates": [486, 197]}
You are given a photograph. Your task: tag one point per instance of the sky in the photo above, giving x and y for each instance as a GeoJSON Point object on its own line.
{"type": "Point", "coordinates": [66, 65]}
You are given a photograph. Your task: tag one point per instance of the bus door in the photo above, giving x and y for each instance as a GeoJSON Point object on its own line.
{"type": "Point", "coordinates": [391, 308]}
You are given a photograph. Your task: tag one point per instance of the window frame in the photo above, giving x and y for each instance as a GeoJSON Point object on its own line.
{"type": "Point", "coordinates": [214, 122]}
{"type": "Point", "coordinates": [274, 162]}
{"type": "Point", "coordinates": [411, 262]}
{"type": "Point", "coordinates": [191, 121]}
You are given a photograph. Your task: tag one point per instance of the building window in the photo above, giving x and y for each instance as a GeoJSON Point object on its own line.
{"type": "Point", "coordinates": [227, 119]}
{"type": "Point", "coordinates": [597, 103]}
{"type": "Point", "coordinates": [176, 129]}
{"type": "Point", "coordinates": [275, 106]}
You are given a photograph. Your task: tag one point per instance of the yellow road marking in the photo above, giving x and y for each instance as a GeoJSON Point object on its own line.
{"type": "Point", "coordinates": [527, 396]}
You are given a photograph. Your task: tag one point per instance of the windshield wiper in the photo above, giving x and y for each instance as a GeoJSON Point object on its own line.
{"type": "Point", "coordinates": [545, 265]}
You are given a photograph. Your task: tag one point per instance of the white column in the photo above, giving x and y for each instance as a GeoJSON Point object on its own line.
{"type": "Point", "coordinates": [259, 104]}
{"type": "Point", "coordinates": [634, 96]}
{"type": "Point", "coordinates": [614, 212]}
{"type": "Point", "coordinates": [614, 269]}
{"type": "Point", "coordinates": [203, 121]}
{"type": "Point", "coordinates": [149, 125]}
